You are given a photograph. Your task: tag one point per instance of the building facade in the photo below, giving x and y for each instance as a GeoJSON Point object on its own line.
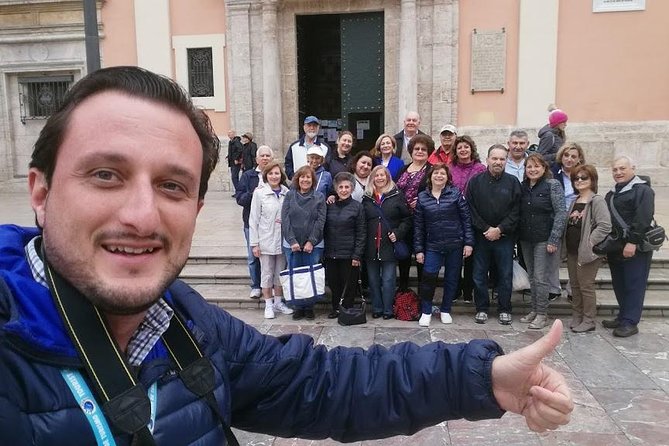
{"type": "Point", "coordinates": [262, 65]}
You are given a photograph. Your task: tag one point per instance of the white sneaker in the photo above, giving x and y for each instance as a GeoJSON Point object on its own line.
{"type": "Point", "coordinates": [446, 318]}
{"type": "Point", "coordinates": [424, 320]}
{"type": "Point", "coordinates": [269, 311]}
{"type": "Point", "coordinates": [281, 307]}
{"type": "Point", "coordinates": [255, 293]}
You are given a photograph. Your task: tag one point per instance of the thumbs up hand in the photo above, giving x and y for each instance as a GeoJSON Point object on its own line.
{"type": "Point", "coordinates": [523, 385]}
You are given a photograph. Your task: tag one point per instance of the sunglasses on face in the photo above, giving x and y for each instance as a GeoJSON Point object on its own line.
{"type": "Point", "coordinates": [580, 178]}
{"type": "Point", "coordinates": [419, 149]}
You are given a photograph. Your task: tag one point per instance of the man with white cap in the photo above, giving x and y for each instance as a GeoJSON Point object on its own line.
{"type": "Point", "coordinates": [447, 136]}
{"type": "Point", "coordinates": [315, 159]}
{"type": "Point", "coordinates": [296, 156]}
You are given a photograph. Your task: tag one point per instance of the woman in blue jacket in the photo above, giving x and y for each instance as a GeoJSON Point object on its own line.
{"type": "Point", "coordinates": [384, 155]}
{"type": "Point", "coordinates": [442, 236]}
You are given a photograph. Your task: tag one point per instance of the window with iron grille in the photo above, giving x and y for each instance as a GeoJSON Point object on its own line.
{"type": "Point", "coordinates": [39, 97]}
{"type": "Point", "coordinates": [200, 72]}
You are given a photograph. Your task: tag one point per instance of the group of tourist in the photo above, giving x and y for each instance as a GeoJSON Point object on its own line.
{"type": "Point", "coordinates": [351, 212]}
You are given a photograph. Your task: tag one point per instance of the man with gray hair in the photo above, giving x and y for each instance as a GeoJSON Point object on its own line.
{"type": "Point", "coordinates": [252, 179]}
{"type": "Point", "coordinates": [402, 138]}
{"type": "Point", "coordinates": [515, 162]}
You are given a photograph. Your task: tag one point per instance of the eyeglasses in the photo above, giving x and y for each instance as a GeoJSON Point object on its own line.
{"type": "Point", "coordinates": [579, 178]}
{"type": "Point", "coordinates": [420, 149]}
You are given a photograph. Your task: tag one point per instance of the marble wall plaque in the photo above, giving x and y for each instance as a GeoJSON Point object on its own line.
{"type": "Point", "coordinates": [618, 5]}
{"type": "Point", "coordinates": [488, 64]}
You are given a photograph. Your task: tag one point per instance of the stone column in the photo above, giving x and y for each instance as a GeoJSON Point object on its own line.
{"type": "Point", "coordinates": [240, 88]}
{"type": "Point", "coordinates": [408, 61]}
{"type": "Point", "coordinates": [271, 77]}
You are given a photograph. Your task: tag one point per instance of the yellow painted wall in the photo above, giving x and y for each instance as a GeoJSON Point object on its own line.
{"type": "Point", "coordinates": [487, 108]}
{"type": "Point", "coordinates": [613, 66]}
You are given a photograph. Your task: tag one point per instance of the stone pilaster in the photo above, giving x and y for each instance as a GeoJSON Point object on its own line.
{"type": "Point", "coordinates": [271, 77]}
{"type": "Point", "coordinates": [408, 60]}
{"type": "Point", "coordinates": [240, 87]}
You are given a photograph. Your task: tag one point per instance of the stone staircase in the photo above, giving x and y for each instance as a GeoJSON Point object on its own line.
{"type": "Point", "coordinates": [224, 280]}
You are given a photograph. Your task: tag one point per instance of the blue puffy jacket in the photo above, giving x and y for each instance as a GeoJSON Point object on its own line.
{"type": "Point", "coordinates": [442, 224]}
{"type": "Point", "coordinates": [284, 386]}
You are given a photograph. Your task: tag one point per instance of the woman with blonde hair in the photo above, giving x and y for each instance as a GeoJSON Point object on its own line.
{"type": "Point", "coordinates": [384, 155]}
{"type": "Point", "coordinates": [387, 220]}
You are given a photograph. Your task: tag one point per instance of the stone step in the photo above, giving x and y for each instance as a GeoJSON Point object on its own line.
{"type": "Point", "coordinates": [237, 296]}
{"type": "Point", "coordinates": [236, 273]}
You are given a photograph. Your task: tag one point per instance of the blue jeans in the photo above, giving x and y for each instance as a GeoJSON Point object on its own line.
{"type": "Point", "coordinates": [253, 262]}
{"type": "Point", "coordinates": [452, 262]}
{"type": "Point", "coordinates": [502, 252]}
{"type": "Point", "coordinates": [382, 277]}
{"type": "Point", "coordinates": [630, 278]}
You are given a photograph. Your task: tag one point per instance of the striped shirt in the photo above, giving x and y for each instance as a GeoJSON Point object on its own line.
{"type": "Point", "coordinates": [155, 322]}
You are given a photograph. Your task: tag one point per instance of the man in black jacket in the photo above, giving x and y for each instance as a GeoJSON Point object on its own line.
{"type": "Point", "coordinates": [402, 138]}
{"type": "Point", "coordinates": [234, 158]}
{"type": "Point", "coordinates": [494, 202]}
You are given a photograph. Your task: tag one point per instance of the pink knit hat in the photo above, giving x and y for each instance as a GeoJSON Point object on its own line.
{"type": "Point", "coordinates": [556, 117]}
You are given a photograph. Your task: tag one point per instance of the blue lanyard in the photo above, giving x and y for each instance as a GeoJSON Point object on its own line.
{"type": "Point", "coordinates": [93, 412]}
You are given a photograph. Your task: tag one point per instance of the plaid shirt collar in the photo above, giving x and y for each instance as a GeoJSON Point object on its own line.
{"type": "Point", "coordinates": [155, 322]}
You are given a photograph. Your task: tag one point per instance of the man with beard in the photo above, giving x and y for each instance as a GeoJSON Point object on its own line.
{"type": "Point", "coordinates": [296, 156]}
{"type": "Point", "coordinates": [494, 202]}
{"type": "Point", "coordinates": [100, 344]}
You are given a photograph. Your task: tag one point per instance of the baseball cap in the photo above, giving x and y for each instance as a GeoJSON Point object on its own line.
{"type": "Point", "coordinates": [448, 128]}
{"type": "Point", "coordinates": [310, 119]}
{"type": "Point", "coordinates": [315, 150]}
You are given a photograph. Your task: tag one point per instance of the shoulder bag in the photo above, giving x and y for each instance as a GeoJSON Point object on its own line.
{"type": "Point", "coordinates": [400, 247]}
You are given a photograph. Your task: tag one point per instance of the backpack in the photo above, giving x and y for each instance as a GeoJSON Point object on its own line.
{"type": "Point", "coordinates": [406, 306]}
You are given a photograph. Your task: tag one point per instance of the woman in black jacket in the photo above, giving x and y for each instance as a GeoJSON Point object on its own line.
{"type": "Point", "coordinates": [383, 197]}
{"type": "Point", "coordinates": [442, 236]}
{"type": "Point", "coordinates": [344, 242]}
{"type": "Point", "coordinates": [634, 202]}
{"type": "Point", "coordinates": [542, 220]}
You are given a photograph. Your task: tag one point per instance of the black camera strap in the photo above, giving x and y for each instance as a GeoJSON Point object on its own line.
{"type": "Point", "coordinates": [123, 398]}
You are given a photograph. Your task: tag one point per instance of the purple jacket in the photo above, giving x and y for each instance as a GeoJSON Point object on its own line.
{"type": "Point", "coordinates": [462, 173]}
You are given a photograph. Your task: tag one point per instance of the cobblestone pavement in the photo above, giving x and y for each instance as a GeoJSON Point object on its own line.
{"type": "Point", "coordinates": [620, 386]}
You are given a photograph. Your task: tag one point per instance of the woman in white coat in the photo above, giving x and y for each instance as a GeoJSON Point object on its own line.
{"type": "Point", "coordinates": [265, 236]}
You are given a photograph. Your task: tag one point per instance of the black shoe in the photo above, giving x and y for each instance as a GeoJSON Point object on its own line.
{"type": "Point", "coordinates": [298, 314]}
{"type": "Point", "coordinates": [377, 315]}
{"type": "Point", "coordinates": [387, 316]}
{"type": "Point", "coordinates": [610, 323]}
{"type": "Point", "coordinates": [553, 296]}
{"type": "Point", "coordinates": [570, 298]}
{"type": "Point", "coordinates": [309, 314]}
{"type": "Point", "coordinates": [467, 299]}
{"type": "Point", "coordinates": [624, 331]}
{"type": "Point", "coordinates": [334, 314]}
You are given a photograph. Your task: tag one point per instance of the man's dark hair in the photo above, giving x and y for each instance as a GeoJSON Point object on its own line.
{"type": "Point", "coordinates": [136, 82]}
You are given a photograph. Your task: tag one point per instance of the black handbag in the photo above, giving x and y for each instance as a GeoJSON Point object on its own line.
{"type": "Point", "coordinates": [654, 238]}
{"type": "Point", "coordinates": [611, 243]}
{"type": "Point", "coordinates": [354, 315]}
